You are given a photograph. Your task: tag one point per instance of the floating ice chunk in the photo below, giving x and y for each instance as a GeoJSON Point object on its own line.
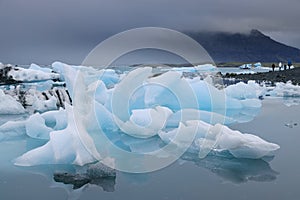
{"type": "Point", "coordinates": [221, 138]}
{"type": "Point", "coordinates": [12, 129]}
{"type": "Point", "coordinates": [109, 77]}
{"type": "Point", "coordinates": [243, 145]}
{"type": "Point", "coordinates": [56, 119]}
{"type": "Point", "coordinates": [145, 123]}
{"type": "Point", "coordinates": [206, 68]}
{"type": "Point", "coordinates": [45, 105]}
{"type": "Point", "coordinates": [38, 68]}
{"type": "Point", "coordinates": [257, 64]}
{"type": "Point", "coordinates": [198, 68]}
{"type": "Point", "coordinates": [95, 105]}
{"type": "Point", "coordinates": [72, 145]}
{"type": "Point", "coordinates": [36, 127]}
{"type": "Point", "coordinates": [285, 90]}
{"type": "Point", "coordinates": [70, 73]}
{"type": "Point", "coordinates": [64, 147]}
{"type": "Point", "coordinates": [8, 105]}
{"type": "Point", "coordinates": [241, 90]}
{"type": "Point", "coordinates": [28, 75]}
{"type": "Point", "coordinates": [183, 69]}
{"type": "Point", "coordinates": [246, 66]}
{"type": "Point", "coordinates": [184, 136]}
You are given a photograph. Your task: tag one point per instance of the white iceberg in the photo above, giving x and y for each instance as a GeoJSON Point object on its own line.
{"type": "Point", "coordinates": [220, 138]}
{"type": "Point", "coordinates": [39, 68]}
{"type": "Point", "coordinates": [37, 126]}
{"type": "Point", "coordinates": [285, 90]}
{"type": "Point", "coordinates": [242, 91]}
{"type": "Point", "coordinates": [197, 68]}
{"type": "Point", "coordinates": [64, 147]}
{"type": "Point", "coordinates": [45, 105]}
{"type": "Point", "coordinates": [28, 75]}
{"type": "Point", "coordinates": [146, 122]}
{"type": "Point", "coordinates": [12, 130]}
{"type": "Point", "coordinates": [8, 105]}
{"type": "Point", "coordinates": [246, 66]}
{"type": "Point", "coordinates": [258, 64]}
{"type": "Point", "coordinates": [139, 122]}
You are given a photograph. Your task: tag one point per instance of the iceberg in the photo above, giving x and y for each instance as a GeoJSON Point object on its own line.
{"type": "Point", "coordinates": [246, 66]}
{"type": "Point", "coordinates": [241, 90]}
{"type": "Point", "coordinates": [220, 138]}
{"type": "Point", "coordinates": [12, 130]}
{"type": "Point", "coordinates": [39, 68]}
{"type": "Point", "coordinates": [145, 123]}
{"type": "Point", "coordinates": [9, 105]}
{"type": "Point", "coordinates": [45, 105]}
{"type": "Point", "coordinates": [195, 69]}
{"type": "Point", "coordinates": [285, 90]}
{"type": "Point", "coordinates": [37, 126]}
{"type": "Point", "coordinates": [35, 73]}
{"type": "Point", "coordinates": [258, 64]}
{"type": "Point", "coordinates": [140, 113]}
{"type": "Point", "coordinates": [64, 147]}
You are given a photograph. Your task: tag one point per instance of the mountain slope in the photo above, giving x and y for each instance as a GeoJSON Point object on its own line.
{"type": "Point", "coordinates": [242, 47]}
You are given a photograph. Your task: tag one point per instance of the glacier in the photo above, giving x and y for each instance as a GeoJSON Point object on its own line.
{"type": "Point", "coordinates": [141, 112]}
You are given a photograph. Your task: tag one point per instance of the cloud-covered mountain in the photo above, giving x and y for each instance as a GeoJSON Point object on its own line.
{"type": "Point", "coordinates": [245, 47]}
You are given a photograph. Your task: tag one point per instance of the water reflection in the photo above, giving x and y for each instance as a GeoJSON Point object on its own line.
{"type": "Point", "coordinates": [92, 174]}
{"type": "Point", "coordinates": [76, 179]}
{"type": "Point", "coordinates": [79, 180]}
{"type": "Point", "coordinates": [291, 101]}
{"type": "Point", "coordinates": [235, 170]}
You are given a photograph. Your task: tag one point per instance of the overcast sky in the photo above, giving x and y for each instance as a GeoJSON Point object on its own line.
{"type": "Point", "coordinates": [43, 31]}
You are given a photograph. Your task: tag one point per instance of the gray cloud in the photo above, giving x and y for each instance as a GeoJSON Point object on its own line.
{"type": "Point", "coordinates": [43, 31]}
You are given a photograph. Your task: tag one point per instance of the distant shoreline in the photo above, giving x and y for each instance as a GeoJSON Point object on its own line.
{"type": "Point", "coordinates": [292, 75]}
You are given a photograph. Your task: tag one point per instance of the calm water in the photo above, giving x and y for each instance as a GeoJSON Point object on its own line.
{"type": "Point", "coordinates": [211, 178]}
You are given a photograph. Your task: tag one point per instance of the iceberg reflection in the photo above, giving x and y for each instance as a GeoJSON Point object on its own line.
{"type": "Point", "coordinates": [235, 170]}
{"type": "Point", "coordinates": [79, 180]}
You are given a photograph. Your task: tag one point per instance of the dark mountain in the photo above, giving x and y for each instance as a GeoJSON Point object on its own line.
{"type": "Point", "coordinates": [243, 47]}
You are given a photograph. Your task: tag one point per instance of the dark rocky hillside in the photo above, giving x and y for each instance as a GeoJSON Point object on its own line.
{"type": "Point", "coordinates": [242, 47]}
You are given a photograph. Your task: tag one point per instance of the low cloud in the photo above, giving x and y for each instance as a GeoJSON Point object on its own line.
{"type": "Point", "coordinates": [43, 31]}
